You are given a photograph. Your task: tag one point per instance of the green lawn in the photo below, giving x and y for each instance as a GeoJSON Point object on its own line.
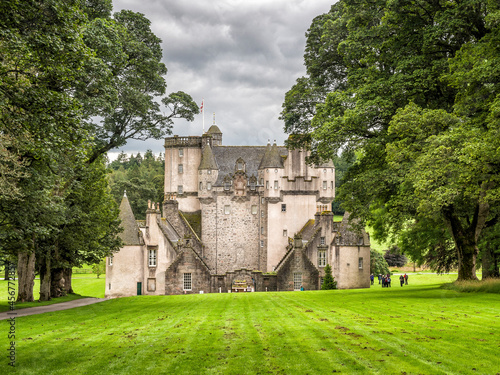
{"type": "Point", "coordinates": [418, 329]}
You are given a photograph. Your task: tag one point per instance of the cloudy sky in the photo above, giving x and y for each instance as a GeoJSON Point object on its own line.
{"type": "Point", "coordinates": [240, 56]}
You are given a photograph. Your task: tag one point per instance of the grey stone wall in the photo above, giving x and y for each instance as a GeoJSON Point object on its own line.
{"type": "Point", "coordinates": [297, 262]}
{"type": "Point", "coordinates": [232, 240]}
{"type": "Point", "coordinates": [187, 262]}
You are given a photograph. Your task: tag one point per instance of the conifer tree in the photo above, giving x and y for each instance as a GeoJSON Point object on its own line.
{"type": "Point", "coordinates": [328, 281]}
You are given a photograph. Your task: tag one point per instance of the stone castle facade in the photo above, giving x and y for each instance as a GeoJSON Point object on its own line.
{"type": "Point", "coordinates": [237, 218]}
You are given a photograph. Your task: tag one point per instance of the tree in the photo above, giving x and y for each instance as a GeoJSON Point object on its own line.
{"type": "Point", "coordinates": [394, 257]}
{"type": "Point", "coordinates": [407, 106]}
{"type": "Point", "coordinates": [378, 264]}
{"type": "Point", "coordinates": [122, 85]}
{"type": "Point", "coordinates": [99, 268]}
{"type": "Point", "coordinates": [328, 281]}
{"type": "Point", "coordinates": [42, 54]}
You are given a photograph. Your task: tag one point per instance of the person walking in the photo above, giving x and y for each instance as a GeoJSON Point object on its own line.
{"type": "Point", "coordinates": [406, 279]}
{"type": "Point", "coordinates": [401, 280]}
{"type": "Point", "coordinates": [372, 278]}
{"type": "Point", "coordinates": [379, 278]}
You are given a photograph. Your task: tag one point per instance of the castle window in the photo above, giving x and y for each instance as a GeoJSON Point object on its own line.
{"type": "Point", "coordinates": [187, 285]}
{"type": "Point", "coordinates": [152, 258]}
{"type": "Point", "coordinates": [297, 281]}
{"type": "Point", "coordinates": [227, 209]}
{"type": "Point", "coordinates": [285, 233]}
{"type": "Point", "coordinates": [262, 213]}
{"type": "Point", "coordinates": [261, 243]}
{"type": "Point", "coordinates": [276, 184]}
{"type": "Point", "coordinates": [254, 209]}
{"type": "Point", "coordinates": [181, 152]}
{"type": "Point", "coordinates": [209, 186]}
{"type": "Point", "coordinates": [209, 172]}
{"type": "Point", "coordinates": [324, 185]}
{"type": "Point", "coordinates": [227, 185]}
{"type": "Point", "coordinates": [111, 260]}
{"type": "Point", "coordinates": [262, 200]}
{"type": "Point", "coordinates": [283, 208]}
{"type": "Point", "coordinates": [151, 285]}
{"type": "Point", "coordinates": [239, 166]}
{"type": "Point", "coordinates": [201, 185]}
{"type": "Point", "coordinates": [321, 258]}
{"type": "Point", "coordinates": [252, 185]}
{"type": "Point", "coordinates": [261, 182]}
{"type": "Point", "coordinates": [322, 240]}
{"type": "Point", "coordinates": [180, 168]}
{"type": "Point", "coordinates": [324, 170]}
{"type": "Point", "coordinates": [275, 171]}
{"type": "Point", "coordinates": [180, 189]}
{"type": "Point", "coordinates": [267, 184]}
{"type": "Point", "coordinates": [360, 263]}
{"type": "Point", "coordinates": [332, 184]}
{"type": "Point", "coordinates": [261, 230]}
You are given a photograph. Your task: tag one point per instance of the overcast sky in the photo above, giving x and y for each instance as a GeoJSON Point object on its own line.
{"type": "Point", "coordinates": [240, 56]}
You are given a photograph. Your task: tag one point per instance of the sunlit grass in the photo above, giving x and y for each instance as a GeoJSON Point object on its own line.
{"type": "Point", "coordinates": [420, 328]}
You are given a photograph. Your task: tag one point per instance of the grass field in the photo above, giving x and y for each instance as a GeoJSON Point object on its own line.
{"type": "Point", "coordinates": [84, 285]}
{"type": "Point", "coordinates": [417, 329]}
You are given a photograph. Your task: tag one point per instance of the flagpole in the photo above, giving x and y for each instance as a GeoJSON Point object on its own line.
{"type": "Point", "coordinates": [203, 113]}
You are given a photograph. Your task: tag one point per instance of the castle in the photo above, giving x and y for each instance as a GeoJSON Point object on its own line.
{"type": "Point", "coordinates": [237, 218]}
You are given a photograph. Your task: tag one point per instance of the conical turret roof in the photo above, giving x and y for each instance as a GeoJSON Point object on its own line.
{"type": "Point", "coordinates": [214, 129]}
{"type": "Point", "coordinates": [130, 234]}
{"type": "Point", "coordinates": [272, 158]}
{"type": "Point", "coordinates": [208, 159]}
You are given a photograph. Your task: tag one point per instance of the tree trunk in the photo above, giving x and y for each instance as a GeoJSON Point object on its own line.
{"type": "Point", "coordinates": [465, 244]}
{"type": "Point", "coordinates": [57, 283]}
{"type": "Point", "coordinates": [467, 262]}
{"type": "Point", "coordinates": [25, 276]}
{"type": "Point", "coordinates": [6, 274]}
{"type": "Point", "coordinates": [490, 264]}
{"type": "Point", "coordinates": [45, 279]}
{"type": "Point", "coordinates": [68, 273]}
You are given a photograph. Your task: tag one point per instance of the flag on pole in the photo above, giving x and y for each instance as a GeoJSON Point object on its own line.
{"type": "Point", "coordinates": [201, 108]}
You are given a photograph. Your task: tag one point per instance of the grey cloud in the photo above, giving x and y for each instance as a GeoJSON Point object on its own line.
{"type": "Point", "coordinates": [241, 56]}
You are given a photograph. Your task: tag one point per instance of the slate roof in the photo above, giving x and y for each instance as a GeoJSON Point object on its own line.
{"type": "Point", "coordinates": [207, 159]}
{"type": "Point", "coordinates": [214, 129]}
{"type": "Point", "coordinates": [131, 234]}
{"type": "Point", "coordinates": [347, 236]}
{"type": "Point", "coordinates": [226, 157]}
{"type": "Point", "coordinates": [272, 158]}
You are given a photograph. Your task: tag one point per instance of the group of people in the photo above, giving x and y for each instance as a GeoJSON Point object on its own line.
{"type": "Point", "coordinates": [385, 280]}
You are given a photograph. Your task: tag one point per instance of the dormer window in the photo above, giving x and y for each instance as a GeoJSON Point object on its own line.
{"type": "Point", "coordinates": [240, 165]}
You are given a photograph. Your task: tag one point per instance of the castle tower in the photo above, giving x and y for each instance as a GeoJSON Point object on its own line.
{"type": "Point", "coordinates": [182, 158]}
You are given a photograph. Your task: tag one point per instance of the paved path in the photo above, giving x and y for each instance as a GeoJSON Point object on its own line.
{"type": "Point", "coordinates": [50, 308]}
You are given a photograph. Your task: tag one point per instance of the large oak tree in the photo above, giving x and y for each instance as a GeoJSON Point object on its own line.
{"type": "Point", "coordinates": [416, 98]}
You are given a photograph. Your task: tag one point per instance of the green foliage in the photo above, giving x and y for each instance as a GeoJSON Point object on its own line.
{"type": "Point", "coordinates": [378, 264]}
{"type": "Point", "coordinates": [99, 268]}
{"type": "Point", "coordinates": [142, 179]}
{"type": "Point", "coordinates": [394, 257]}
{"type": "Point", "coordinates": [412, 89]}
{"type": "Point", "coordinates": [328, 281]}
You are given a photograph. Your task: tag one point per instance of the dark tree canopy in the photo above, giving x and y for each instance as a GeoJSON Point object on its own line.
{"type": "Point", "coordinates": [412, 87]}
